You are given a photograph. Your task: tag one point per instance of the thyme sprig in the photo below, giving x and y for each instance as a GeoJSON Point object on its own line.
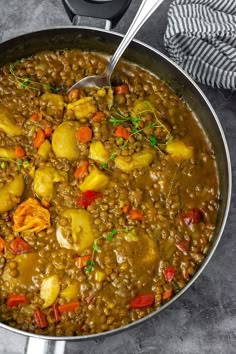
{"type": "Point", "coordinates": [20, 163]}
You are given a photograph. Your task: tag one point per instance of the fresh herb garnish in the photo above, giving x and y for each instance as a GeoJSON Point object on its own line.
{"type": "Point", "coordinates": [18, 162]}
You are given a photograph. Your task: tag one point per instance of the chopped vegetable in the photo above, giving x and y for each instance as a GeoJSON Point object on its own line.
{"type": "Point", "coordinates": [138, 160]}
{"type": "Point", "coordinates": [40, 319]}
{"type": "Point", "coordinates": [179, 150]}
{"type": "Point", "coordinates": [95, 181]}
{"type": "Point", "coordinates": [122, 132]}
{"type": "Point", "coordinates": [49, 290]}
{"type": "Point", "coordinates": [193, 216]}
{"type": "Point", "coordinates": [167, 294]}
{"type": "Point", "coordinates": [7, 123]}
{"type": "Point", "coordinates": [144, 300]}
{"type": "Point", "coordinates": [39, 138]}
{"type": "Point", "coordinates": [169, 273]}
{"type": "Point", "coordinates": [83, 108]}
{"type": "Point", "coordinates": [48, 131]}
{"type": "Point", "coordinates": [19, 151]}
{"type": "Point", "coordinates": [71, 292]}
{"type": "Point", "coordinates": [31, 216]}
{"type": "Point", "coordinates": [36, 117]}
{"type": "Point", "coordinates": [126, 209]}
{"type": "Point", "coordinates": [8, 153]}
{"type": "Point", "coordinates": [64, 141]}
{"type": "Point", "coordinates": [87, 198]}
{"type": "Point", "coordinates": [19, 246]}
{"type": "Point", "coordinates": [81, 170]}
{"type": "Point", "coordinates": [56, 313]}
{"type": "Point", "coordinates": [2, 244]}
{"type": "Point", "coordinates": [121, 90]}
{"type": "Point", "coordinates": [97, 152]}
{"type": "Point", "coordinates": [73, 95]}
{"type": "Point", "coordinates": [136, 215]}
{"type": "Point", "coordinates": [84, 134]}
{"type": "Point", "coordinates": [81, 261]}
{"type": "Point", "coordinates": [44, 150]}
{"type": "Point", "coordinates": [98, 116]}
{"type": "Point", "coordinates": [183, 246]}
{"type": "Point", "coordinates": [16, 300]}
{"type": "Point", "coordinates": [99, 276]}
{"type": "Point", "coordinates": [45, 179]}
{"type": "Point", "coordinates": [71, 306]}
{"type": "Point", "coordinates": [54, 104]}
{"type": "Point", "coordinates": [11, 193]}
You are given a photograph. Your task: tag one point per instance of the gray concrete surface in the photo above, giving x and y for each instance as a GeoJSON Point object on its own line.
{"type": "Point", "coordinates": [203, 320]}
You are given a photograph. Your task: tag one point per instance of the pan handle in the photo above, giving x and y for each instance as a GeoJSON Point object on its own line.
{"type": "Point", "coordinates": [43, 346]}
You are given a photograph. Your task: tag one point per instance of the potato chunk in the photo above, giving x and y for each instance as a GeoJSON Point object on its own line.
{"type": "Point", "coordinates": [82, 232]}
{"type": "Point", "coordinates": [54, 104]}
{"type": "Point", "coordinates": [95, 181]}
{"type": "Point", "coordinates": [179, 150]}
{"type": "Point", "coordinates": [64, 141]}
{"type": "Point", "coordinates": [98, 152]}
{"type": "Point", "coordinates": [138, 160]}
{"type": "Point", "coordinates": [10, 194]}
{"type": "Point", "coordinates": [49, 290]}
{"type": "Point", "coordinates": [44, 150]}
{"type": "Point", "coordinates": [7, 123]}
{"type": "Point", "coordinates": [71, 292]}
{"type": "Point", "coordinates": [83, 108]}
{"type": "Point", "coordinates": [8, 153]}
{"type": "Point", "coordinates": [44, 180]}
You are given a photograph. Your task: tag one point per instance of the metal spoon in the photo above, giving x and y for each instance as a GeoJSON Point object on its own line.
{"type": "Point", "coordinates": [145, 10]}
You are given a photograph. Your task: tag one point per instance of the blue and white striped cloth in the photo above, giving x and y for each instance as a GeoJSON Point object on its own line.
{"type": "Point", "coordinates": [201, 38]}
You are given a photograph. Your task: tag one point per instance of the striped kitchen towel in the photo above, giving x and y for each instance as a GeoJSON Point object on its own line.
{"type": "Point", "coordinates": [201, 38]}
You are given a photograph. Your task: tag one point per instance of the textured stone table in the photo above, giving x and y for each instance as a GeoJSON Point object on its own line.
{"type": "Point", "coordinates": [203, 320]}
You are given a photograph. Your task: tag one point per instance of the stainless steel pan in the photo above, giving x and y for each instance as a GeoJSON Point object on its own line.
{"type": "Point", "coordinates": [104, 41]}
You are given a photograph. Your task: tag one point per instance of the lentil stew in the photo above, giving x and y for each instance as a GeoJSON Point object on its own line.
{"type": "Point", "coordinates": [109, 197]}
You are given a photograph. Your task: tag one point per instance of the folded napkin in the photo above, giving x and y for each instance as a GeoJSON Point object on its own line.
{"type": "Point", "coordinates": [201, 38]}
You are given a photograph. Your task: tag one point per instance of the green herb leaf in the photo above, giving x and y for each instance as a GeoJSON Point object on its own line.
{"type": "Point", "coordinates": [114, 231]}
{"type": "Point", "coordinates": [2, 164]}
{"type": "Point", "coordinates": [134, 131]}
{"type": "Point", "coordinates": [26, 163]}
{"type": "Point", "coordinates": [153, 140]}
{"type": "Point", "coordinates": [25, 82]}
{"type": "Point", "coordinates": [112, 156]}
{"type": "Point", "coordinates": [151, 125]}
{"type": "Point", "coordinates": [96, 247]}
{"type": "Point", "coordinates": [119, 139]}
{"type": "Point", "coordinates": [104, 165]}
{"type": "Point", "coordinates": [110, 237]}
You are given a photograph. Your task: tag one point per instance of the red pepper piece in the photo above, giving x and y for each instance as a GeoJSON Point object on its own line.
{"type": "Point", "coordinates": [87, 198]}
{"type": "Point", "coordinates": [2, 244]}
{"type": "Point", "coordinates": [143, 300]}
{"type": "Point", "coordinates": [16, 300]}
{"type": "Point", "coordinates": [19, 245]}
{"type": "Point", "coordinates": [169, 273]}
{"type": "Point", "coordinates": [193, 216]}
{"type": "Point", "coordinates": [40, 319]}
{"type": "Point", "coordinates": [56, 313]}
{"type": "Point", "coordinates": [183, 246]}
{"type": "Point", "coordinates": [69, 307]}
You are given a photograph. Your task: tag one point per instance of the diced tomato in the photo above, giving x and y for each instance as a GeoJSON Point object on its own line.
{"type": "Point", "coordinates": [121, 89]}
{"type": "Point", "coordinates": [122, 132]}
{"type": "Point", "coordinates": [56, 313]}
{"type": "Point", "coordinates": [87, 198]}
{"type": "Point", "coordinates": [16, 300]}
{"type": "Point", "coordinates": [81, 170]}
{"type": "Point", "coordinates": [167, 294]}
{"type": "Point", "coordinates": [169, 273]}
{"type": "Point", "coordinates": [144, 300]}
{"type": "Point", "coordinates": [2, 244]}
{"type": "Point", "coordinates": [136, 215]}
{"type": "Point", "coordinates": [40, 319]}
{"type": "Point", "coordinates": [183, 246]}
{"type": "Point", "coordinates": [69, 307]}
{"type": "Point", "coordinates": [193, 216]}
{"type": "Point", "coordinates": [19, 246]}
{"type": "Point", "coordinates": [81, 261]}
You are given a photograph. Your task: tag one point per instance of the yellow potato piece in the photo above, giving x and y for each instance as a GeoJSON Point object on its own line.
{"type": "Point", "coordinates": [64, 141]}
{"type": "Point", "coordinates": [49, 290]}
{"type": "Point", "coordinates": [179, 150]}
{"type": "Point", "coordinates": [81, 225]}
{"type": "Point", "coordinates": [7, 123]}
{"type": "Point", "coordinates": [54, 104]}
{"type": "Point", "coordinates": [138, 160]}
{"type": "Point", "coordinates": [83, 108]}
{"type": "Point", "coordinates": [10, 194]}
{"type": "Point", "coordinates": [95, 181]}
{"type": "Point", "coordinates": [8, 153]}
{"type": "Point", "coordinates": [44, 150]}
{"type": "Point", "coordinates": [71, 292]}
{"type": "Point", "coordinates": [45, 179]}
{"type": "Point", "coordinates": [97, 152]}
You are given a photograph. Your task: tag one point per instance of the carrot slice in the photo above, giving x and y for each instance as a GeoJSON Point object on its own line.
{"type": "Point", "coordinates": [121, 89]}
{"type": "Point", "coordinates": [16, 300]}
{"type": "Point", "coordinates": [167, 294]}
{"type": "Point", "coordinates": [84, 134]}
{"type": "Point", "coordinates": [19, 246]}
{"type": "Point", "coordinates": [36, 117]}
{"type": "Point", "coordinates": [71, 306]}
{"type": "Point", "coordinates": [39, 139]}
{"type": "Point", "coordinates": [40, 319]}
{"type": "Point", "coordinates": [48, 131]}
{"type": "Point", "coordinates": [98, 116]}
{"type": "Point", "coordinates": [126, 209]}
{"type": "Point", "coordinates": [2, 244]}
{"type": "Point", "coordinates": [81, 261]}
{"type": "Point", "coordinates": [136, 215]}
{"type": "Point", "coordinates": [19, 151]}
{"type": "Point", "coordinates": [122, 132]}
{"type": "Point", "coordinates": [81, 170]}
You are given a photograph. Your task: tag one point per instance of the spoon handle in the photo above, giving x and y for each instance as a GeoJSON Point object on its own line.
{"type": "Point", "coordinates": [145, 10]}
